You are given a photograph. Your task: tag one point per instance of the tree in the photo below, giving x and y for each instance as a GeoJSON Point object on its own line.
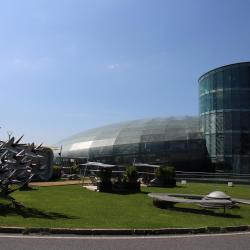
{"type": "Point", "coordinates": [166, 175]}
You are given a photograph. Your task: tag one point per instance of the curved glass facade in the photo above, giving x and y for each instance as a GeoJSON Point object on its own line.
{"type": "Point", "coordinates": [225, 115]}
{"type": "Point", "coordinates": [157, 141]}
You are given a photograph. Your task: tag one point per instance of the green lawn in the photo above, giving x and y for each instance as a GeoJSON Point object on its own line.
{"type": "Point", "coordinates": [76, 207]}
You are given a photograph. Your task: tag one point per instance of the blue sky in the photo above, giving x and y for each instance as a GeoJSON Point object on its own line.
{"type": "Point", "coordinates": [70, 65]}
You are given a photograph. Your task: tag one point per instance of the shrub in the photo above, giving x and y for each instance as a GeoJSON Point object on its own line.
{"type": "Point", "coordinates": [105, 175]}
{"type": "Point", "coordinates": [131, 174]}
{"type": "Point", "coordinates": [56, 173]}
{"type": "Point", "coordinates": [74, 169]}
{"type": "Point", "coordinates": [105, 184]}
{"type": "Point", "coordinates": [166, 175]}
{"type": "Point", "coordinates": [130, 180]}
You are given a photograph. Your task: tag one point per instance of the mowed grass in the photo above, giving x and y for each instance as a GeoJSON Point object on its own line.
{"type": "Point", "coordinates": [76, 207]}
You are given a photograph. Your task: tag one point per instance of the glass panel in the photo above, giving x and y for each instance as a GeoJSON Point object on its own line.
{"type": "Point", "coordinates": [219, 80]}
{"type": "Point", "coordinates": [202, 90]}
{"type": "Point", "coordinates": [206, 87]}
{"type": "Point", "coordinates": [202, 104]}
{"type": "Point", "coordinates": [150, 147]}
{"type": "Point", "coordinates": [235, 78]}
{"type": "Point", "coordinates": [219, 99]}
{"type": "Point", "coordinates": [227, 121]}
{"type": "Point", "coordinates": [126, 149]}
{"type": "Point", "coordinates": [245, 143]}
{"type": "Point", "coordinates": [178, 146]}
{"type": "Point", "coordinates": [245, 120]}
{"type": "Point", "coordinates": [227, 99]}
{"type": "Point", "coordinates": [236, 143]}
{"type": "Point", "coordinates": [244, 99]}
{"type": "Point", "coordinates": [202, 123]}
{"type": "Point", "coordinates": [100, 151]}
{"type": "Point", "coordinates": [248, 76]}
{"type": "Point", "coordinates": [209, 82]}
{"type": "Point", "coordinates": [213, 123]}
{"type": "Point", "coordinates": [208, 143]}
{"type": "Point", "coordinates": [228, 144]}
{"type": "Point", "coordinates": [236, 120]}
{"type": "Point", "coordinates": [227, 78]}
{"type": "Point", "coordinates": [153, 137]}
{"type": "Point", "coordinates": [213, 144]}
{"type": "Point", "coordinates": [214, 103]}
{"type": "Point", "coordinates": [220, 144]}
{"type": "Point", "coordinates": [219, 121]}
{"type": "Point", "coordinates": [214, 85]}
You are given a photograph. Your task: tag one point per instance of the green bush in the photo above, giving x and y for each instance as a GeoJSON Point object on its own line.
{"type": "Point", "coordinates": [74, 169]}
{"type": "Point", "coordinates": [105, 184]}
{"type": "Point", "coordinates": [166, 175]}
{"type": "Point", "coordinates": [105, 175]}
{"type": "Point", "coordinates": [130, 180]}
{"type": "Point", "coordinates": [131, 174]}
{"type": "Point", "coordinates": [56, 173]}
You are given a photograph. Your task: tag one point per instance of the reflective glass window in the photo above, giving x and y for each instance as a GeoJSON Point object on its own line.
{"type": "Point", "coordinates": [213, 123]}
{"type": "Point", "coordinates": [100, 151]}
{"type": "Point", "coordinates": [150, 147]}
{"type": "Point", "coordinates": [208, 143]}
{"type": "Point", "coordinates": [245, 120]}
{"type": "Point", "coordinates": [227, 99]}
{"type": "Point", "coordinates": [219, 121]}
{"type": "Point", "coordinates": [244, 99]}
{"type": "Point", "coordinates": [207, 122]}
{"type": "Point", "coordinates": [214, 101]}
{"type": "Point", "coordinates": [227, 121]}
{"type": "Point", "coordinates": [214, 81]}
{"type": "Point", "coordinates": [202, 90]}
{"type": "Point", "coordinates": [213, 144]}
{"type": "Point", "coordinates": [205, 84]}
{"type": "Point", "coordinates": [209, 82]}
{"type": "Point", "coordinates": [126, 149]}
{"type": "Point", "coordinates": [235, 77]}
{"type": "Point", "coordinates": [227, 144]}
{"type": "Point", "coordinates": [235, 99]}
{"type": "Point", "coordinates": [245, 143]}
{"type": "Point", "coordinates": [236, 120]}
{"type": "Point", "coordinates": [236, 147]}
{"type": "Point", "coordinates": [202, 120]}
{"type": "Point", "coordinates": [195, 146]}
{"type": "Point", "coordinates": [243, 77]}
{"type": "Point", "coordinates": [178, 146]}
{"type": "Point", "coordinates": [227, 78]}
{"type": "Point", "coordinates": [202, 104]}
{"type": "Point", "coordinates": [248, 76]}
{"type": "Point", "coordinates": [219, 99]}
{"type": "Point", "coordinates": [219, 79]}
{"type": "Point", "coordinates": [219, 144]}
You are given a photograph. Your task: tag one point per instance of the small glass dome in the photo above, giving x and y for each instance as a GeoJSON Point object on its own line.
{"type": "Point", "coordinates": [217, 195]}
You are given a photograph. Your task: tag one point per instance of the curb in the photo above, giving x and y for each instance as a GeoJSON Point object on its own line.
{"type": "Point", "coordinates": [159, 231]}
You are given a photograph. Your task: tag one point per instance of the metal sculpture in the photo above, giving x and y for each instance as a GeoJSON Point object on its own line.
{"type": "Point", "coordinates": [213, 200]}
{"type": "Point", "coordinates": [19, 163]}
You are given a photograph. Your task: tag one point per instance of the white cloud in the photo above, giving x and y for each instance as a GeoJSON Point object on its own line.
{"type": "Point", "coordinates": [30, 63]}
{"type": "Point", "coordinates": [112, 66]}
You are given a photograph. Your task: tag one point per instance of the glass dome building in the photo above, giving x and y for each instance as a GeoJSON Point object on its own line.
{"type": "Point", "coordinates": [225, 116]}
{"type": "Point", "coordinates": [154, 141]}
{"type": "Point", "coordinates": [221, 134]}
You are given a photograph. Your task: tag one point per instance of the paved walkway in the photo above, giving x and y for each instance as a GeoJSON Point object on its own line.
{"type": "Point", "coordinates": [55, 183]}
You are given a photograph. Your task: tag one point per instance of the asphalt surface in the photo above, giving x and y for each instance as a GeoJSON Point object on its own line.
{"type": "Point", "coordinates": [192, 242]}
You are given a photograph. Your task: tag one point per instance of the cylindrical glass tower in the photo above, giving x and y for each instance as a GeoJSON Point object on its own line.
{"type": "Point", "coordinates": [225, 116]}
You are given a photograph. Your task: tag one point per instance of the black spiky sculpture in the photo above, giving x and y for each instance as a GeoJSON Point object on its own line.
{"type": "Point", "coordinates": [19, 163]}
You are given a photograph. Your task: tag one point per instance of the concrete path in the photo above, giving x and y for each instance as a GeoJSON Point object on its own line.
{"type": "Point", "coordinates": [55, 183]}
